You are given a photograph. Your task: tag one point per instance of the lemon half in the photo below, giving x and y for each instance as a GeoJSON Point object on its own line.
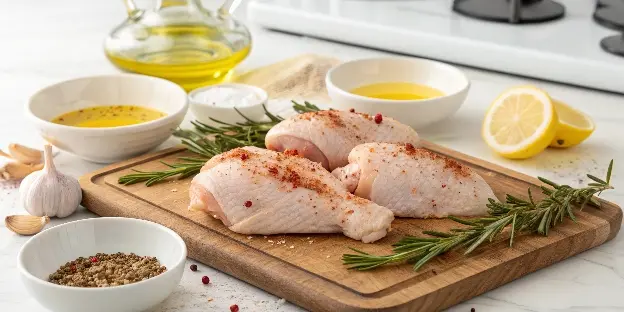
{"type": "Point", "coordinates": [520, 123]}
{"type": "Point", "coordinates": [574, 126]}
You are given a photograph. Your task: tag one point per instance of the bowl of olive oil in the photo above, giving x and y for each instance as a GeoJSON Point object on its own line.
{"type": "Point", "coordinates": [417, 92]}
{"type": "Point", "coordinates": [108, 118]}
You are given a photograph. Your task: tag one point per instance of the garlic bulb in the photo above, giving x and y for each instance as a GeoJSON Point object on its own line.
{"type": "Point", "coordinates": [49, 192]}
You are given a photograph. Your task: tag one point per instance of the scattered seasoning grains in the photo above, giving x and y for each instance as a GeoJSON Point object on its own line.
{"type": "Point", "coordinates": [193, 267]}
{"type": "Point", "coordinates": [378, 118]}
{"type": "Point", "coordinates": [105, 270]}
{"type": "Point", "coordinates": [205, 280]}
{"type": "Point", "coordinates": [234, 308]}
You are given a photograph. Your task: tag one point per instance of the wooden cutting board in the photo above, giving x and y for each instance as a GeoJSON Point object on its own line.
{"type": "Point", "coordinates": [307, 270]}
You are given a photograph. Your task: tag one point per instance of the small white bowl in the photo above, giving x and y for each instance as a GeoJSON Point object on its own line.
{"type": "Point", "coordinates": [417, 113]}
{"type": "Point", "coordinates": [45, 252]}
{"type": "Point", "coordinates": [106, 145]}
{"type": "Point", "coordinates": [204, 111]}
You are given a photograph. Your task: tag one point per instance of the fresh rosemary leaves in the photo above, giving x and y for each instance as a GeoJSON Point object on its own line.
{"type": "Point", "coordinates": [524, 216]}
{"type": "Point", "coordinates": [207, 141]}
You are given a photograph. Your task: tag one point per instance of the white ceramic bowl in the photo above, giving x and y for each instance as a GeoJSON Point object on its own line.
{"type": "Point", "coordinates": [204, 111]}
{"type": "Point", "coordinates": [45, 252]}
{"type": "Point", "coordinates": [106, 145]}
{"type": "Point", "coordinates": [418, 113]}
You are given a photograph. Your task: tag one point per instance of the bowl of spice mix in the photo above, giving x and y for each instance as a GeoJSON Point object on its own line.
{"type": "Point", "coordinates": [102, 264]}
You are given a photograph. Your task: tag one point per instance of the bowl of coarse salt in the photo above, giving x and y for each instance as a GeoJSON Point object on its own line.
{"type": "Point", "coordinates": [228, 102]}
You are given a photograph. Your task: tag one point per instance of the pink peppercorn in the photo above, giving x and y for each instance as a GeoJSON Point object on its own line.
{"type": "Point", "coordinates": [205, 280]}
{"type": "Point", "coordinates": [378, 118]}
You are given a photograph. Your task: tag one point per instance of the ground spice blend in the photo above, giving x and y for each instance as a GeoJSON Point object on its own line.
{"type": "Point", "coordinates": [105, 270]}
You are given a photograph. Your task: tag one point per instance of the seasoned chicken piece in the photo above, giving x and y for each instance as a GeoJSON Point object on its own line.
{"type": "Point", "coordinates": [328, 136]}
{"type": "Point", "coordinates": [414, 182]}
{"type": "Point", "coordinates": [257, 191]}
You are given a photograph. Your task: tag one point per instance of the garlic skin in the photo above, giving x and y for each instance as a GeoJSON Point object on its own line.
{"type": "Point", "coordinates": [25, 154]}
{"type": "Point", "coordinates": [11, 169]}
{"type": "Point", "coordinates": [49, 192]}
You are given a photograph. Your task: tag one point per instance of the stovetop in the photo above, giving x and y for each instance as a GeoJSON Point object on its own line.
{"type": "Point", "coordinates": [565, 49]}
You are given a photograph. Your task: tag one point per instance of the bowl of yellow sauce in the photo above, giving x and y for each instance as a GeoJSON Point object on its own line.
{"type": "Point", "coordinates": [414, 91]}
{"type": "Point", "coordinates": [108, 118]}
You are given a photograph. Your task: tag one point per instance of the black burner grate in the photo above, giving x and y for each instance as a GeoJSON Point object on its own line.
{"type": "Point", "coordinates": [610, 14]}
{"type": "Point", "coordinates": [511, 11]}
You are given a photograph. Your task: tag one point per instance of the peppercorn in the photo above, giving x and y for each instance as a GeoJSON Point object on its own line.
{"type": "Point", "coordinates": [378, 118]}
{"type": "Point", "coordinates": [248, 203]}
{"type": "Point", "coordinates": [193, 267]}
{"type": "Point", "coordinates": [352, 110]}
{"type": "Point", "coordinates": [105, 270]}
{"type": "Point", "coordinates": [244, 156]}
{"type": "Point", "coordinates": [472, 310]}
{"type": "Point", "coordinates": [234, 308]}
{"type": "Point", "coordinates": [205, 280]}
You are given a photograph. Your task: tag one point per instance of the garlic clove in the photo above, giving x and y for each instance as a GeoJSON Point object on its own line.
{"type": "Point", "coordinates": [25, 154]}
{"type": "Point", "coordinates": [26, 225]}
{"type": "Point", "coordinates": [11, 169]}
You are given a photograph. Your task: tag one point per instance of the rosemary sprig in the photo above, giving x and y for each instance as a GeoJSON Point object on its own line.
{"type": "Point", "coordinates": [523, 216]}
{"type": "Point", "coordinates": [207, 141]}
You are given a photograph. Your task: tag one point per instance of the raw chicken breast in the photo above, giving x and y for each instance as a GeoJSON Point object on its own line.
{"type": "Point", "coordinates": [414, 182]}
{"type": "Point", "coordinates": [328, 136]}
{"type": "Point", "coordinates": [257, 191]}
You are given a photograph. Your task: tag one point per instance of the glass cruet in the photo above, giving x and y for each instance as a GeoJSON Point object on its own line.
{"type": "Point", "coordinates": [180, 41]}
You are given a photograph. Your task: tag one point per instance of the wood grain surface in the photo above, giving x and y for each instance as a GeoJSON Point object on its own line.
{"type": "Point", "coordinates": [307, 270]}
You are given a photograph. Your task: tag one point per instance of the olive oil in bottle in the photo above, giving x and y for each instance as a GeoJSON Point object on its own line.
{"type": "Point", "coordinates": [179, 41]}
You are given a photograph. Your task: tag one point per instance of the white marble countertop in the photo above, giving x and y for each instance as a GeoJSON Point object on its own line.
{"type": "Point", "coordinates": [44, 42]}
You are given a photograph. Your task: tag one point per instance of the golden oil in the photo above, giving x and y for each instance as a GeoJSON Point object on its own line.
{"type": "Point", "coordinates": [189, 55]}
{"type": "Point", "coordinates": [108, 116]}
{"type": "Point", "coordinates": [398, 91]}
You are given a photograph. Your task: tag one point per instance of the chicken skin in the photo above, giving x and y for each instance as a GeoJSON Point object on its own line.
{"type": "Point", "coordinates": [257, 191]}
{"type": "Point", "coordinates": [414, 182]}
{"type": "Point", "coordinates": [328, 136]}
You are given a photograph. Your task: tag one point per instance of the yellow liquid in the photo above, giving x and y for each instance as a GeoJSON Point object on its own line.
{"type": "Point", "coordinates": [397, 91]}
{"type": "Point", "coordinates": [184, 54]}
{"type": "Point", "coordinates": [108, 116]}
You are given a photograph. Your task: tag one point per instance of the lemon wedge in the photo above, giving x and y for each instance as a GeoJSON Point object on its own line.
{"type": "Point", "coordinates": [574, 126]}
{"type": "Point", "coordinates": [520, 123]}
